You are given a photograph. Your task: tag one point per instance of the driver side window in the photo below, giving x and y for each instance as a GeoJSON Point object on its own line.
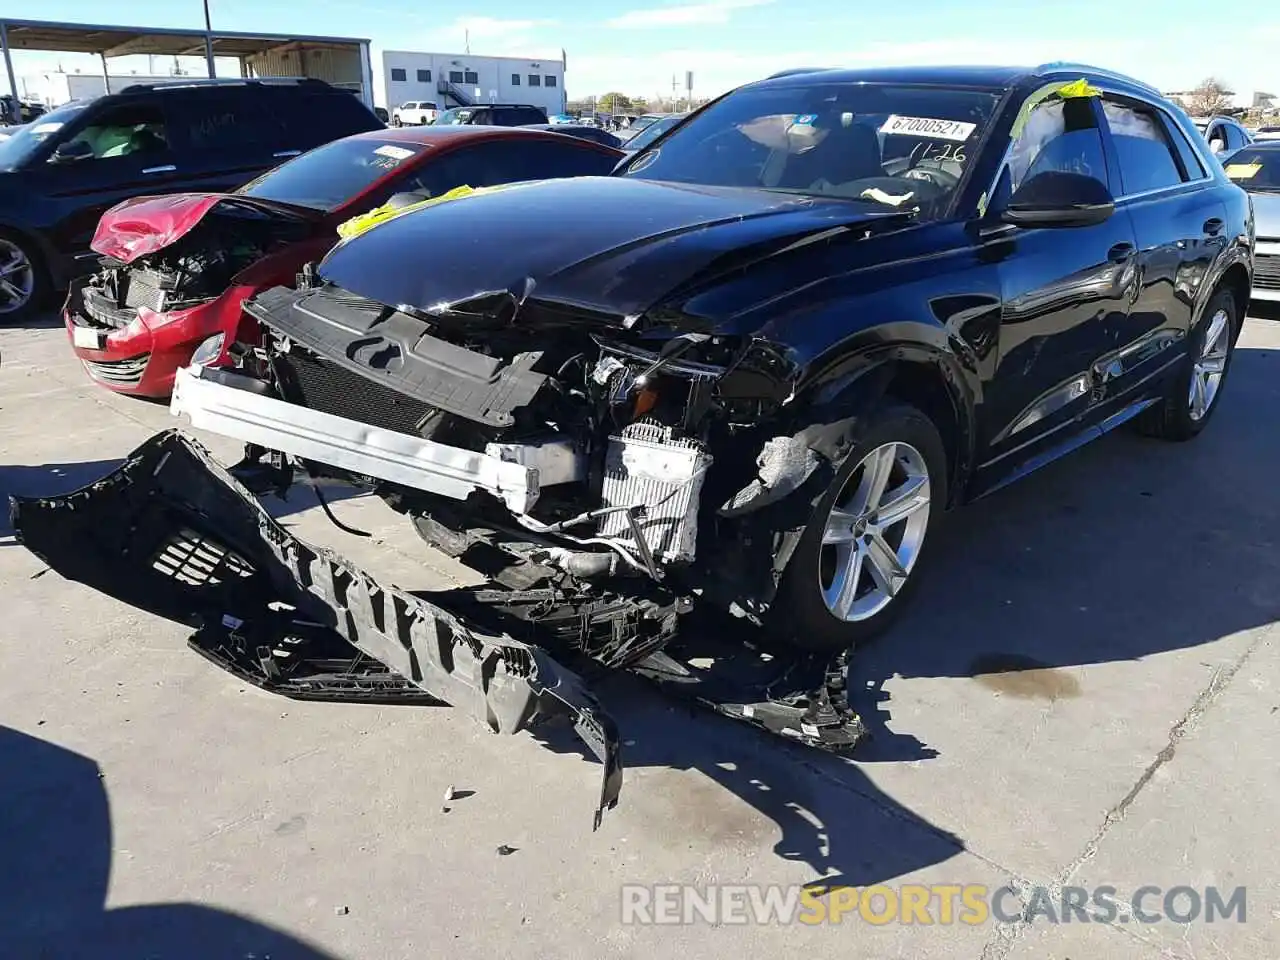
{"type": "Point", "coordinates": [1061, 136]}
{"type": "Point", "coordinates": [123, 131]}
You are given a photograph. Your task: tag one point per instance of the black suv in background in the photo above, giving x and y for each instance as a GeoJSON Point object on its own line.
{"type": "Point", "coordinates": [59, 175]}
{"type": "Point", "coordinates": [494, 115]}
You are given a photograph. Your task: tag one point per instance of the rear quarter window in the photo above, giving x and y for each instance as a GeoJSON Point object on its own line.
{"type": "Point", "coordinates": [311, 117]}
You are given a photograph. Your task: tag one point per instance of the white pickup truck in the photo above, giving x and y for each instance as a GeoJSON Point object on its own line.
{"type": "Point", "coordinates": [414, 113]}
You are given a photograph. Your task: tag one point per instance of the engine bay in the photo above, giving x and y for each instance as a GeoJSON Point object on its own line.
{"type": "Point", "coordinates": [197, 268]}
{"type": "Point", "coordinates": [631, 448]}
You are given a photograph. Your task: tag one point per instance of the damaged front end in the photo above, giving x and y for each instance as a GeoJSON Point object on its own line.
{"type": "Point", "coordinates": [173, 533]}
{"type": "Point", "coordinates": [164, 259]}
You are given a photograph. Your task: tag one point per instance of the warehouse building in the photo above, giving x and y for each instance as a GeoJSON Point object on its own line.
{"type": "Point", "coordinates": [462, 80]}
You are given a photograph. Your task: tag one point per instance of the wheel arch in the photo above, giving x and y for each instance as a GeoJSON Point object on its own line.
{"type": "Point", "coordinates": [1236, 279]}
{"type": "Point", "coordinates": [930, 379]}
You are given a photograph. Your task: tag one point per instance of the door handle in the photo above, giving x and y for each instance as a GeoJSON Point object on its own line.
{"type": "Point", "coordinates": [1120, 252]}
{"type": "Point", "coordinates": [1213, 226]}
{"type": "Point", "coordinates": [287, 153]}
{"type": "Point", "coordinates": [167, 168]}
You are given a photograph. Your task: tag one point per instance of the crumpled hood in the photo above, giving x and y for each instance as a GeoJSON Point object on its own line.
{"type": "Point", "coordinates": [143, 225]}
{"type": "Point", "coordinates": [607, 245]}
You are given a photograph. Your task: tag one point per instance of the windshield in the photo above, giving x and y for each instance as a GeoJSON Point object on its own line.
{"type": "Point", "coordinates": [1255, 170]}
{"type": "Point", "coordinates": [902, 146]}
{"type": "Point", "coordinates": [455, 116]}
{"type": "Point", "coordinates": [652, 132]}
{"type": "Point", "coordinates": [330, 175]}
{"type": "Point", "coordinates": [19, 148]}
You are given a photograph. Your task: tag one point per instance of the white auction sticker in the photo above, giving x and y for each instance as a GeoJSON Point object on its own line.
{"type": "Point", "coordinates": [928, 127]}
{"type": "Point", "coordinates": [395, 153]}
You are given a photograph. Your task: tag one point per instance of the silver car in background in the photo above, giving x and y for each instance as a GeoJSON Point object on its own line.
{"type": "Point", "coordinates": [1256, 168]}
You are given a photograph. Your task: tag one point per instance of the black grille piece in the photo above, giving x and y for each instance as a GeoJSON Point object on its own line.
{"type": "Point", "coordinates": [125, 373]}
{"type": "Point", "coordinates": [1266, 271]}
{"type": "Point", "coordinates": [330, 388]}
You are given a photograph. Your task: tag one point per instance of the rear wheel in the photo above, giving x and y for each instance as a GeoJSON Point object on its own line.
{"type": "Point", "coordinates": [22, 278]}
{"type": "Point", "coordinates": [1192, 394]}
{"type": "Point", "coordinates": [858, 559]}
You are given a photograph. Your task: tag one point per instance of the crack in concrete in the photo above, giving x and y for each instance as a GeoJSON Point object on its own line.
{"type": "Point", "coordinates": [1005, 936]}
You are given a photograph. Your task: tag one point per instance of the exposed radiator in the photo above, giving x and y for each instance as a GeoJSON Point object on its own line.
{"type": "Point", "coordinates": [144, 289]}
{"type": "Point", "coordinates": [645, 465]}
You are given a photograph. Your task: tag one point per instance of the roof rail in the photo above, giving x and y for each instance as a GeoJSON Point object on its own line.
{"type": "Point", "coordinates": [795, 71]}
{"type": "Point", "coordinates": [1067, 66]}
{"type": "Point", "coordinates": [221, 82]}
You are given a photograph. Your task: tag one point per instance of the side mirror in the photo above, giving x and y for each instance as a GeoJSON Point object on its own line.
{"type": "Point", "coordinates": [71, 151]}
{"type": "Point", "coordinates": [1058, 199]}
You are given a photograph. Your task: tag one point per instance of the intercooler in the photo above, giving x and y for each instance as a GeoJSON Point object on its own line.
{"type": "Point", "coordinates": [330, 388]}
{"type": "Point", "coordinates": [646, 466]}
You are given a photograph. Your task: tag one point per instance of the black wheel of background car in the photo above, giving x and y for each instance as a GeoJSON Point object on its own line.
{"type": "Point", "coordinates": [395, 122]}
{"type": "Point", "coordinates": [859, 558]}
{"type": "Point", "coordinates": [23, 281]}
{"type": "Point", "coordinates": [1193, 393]}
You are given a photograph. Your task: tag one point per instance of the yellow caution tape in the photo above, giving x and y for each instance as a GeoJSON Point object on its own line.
{"type": "Point", "coordinates": [365, 222]}
{"type": "Point", "coordinates": [1067, 91]}
{"type": "Point", "coordinates": [1078, 88]}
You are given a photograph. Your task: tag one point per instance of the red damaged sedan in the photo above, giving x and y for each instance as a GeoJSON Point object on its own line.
{"type": "Point", "coordinates": [177, 268]}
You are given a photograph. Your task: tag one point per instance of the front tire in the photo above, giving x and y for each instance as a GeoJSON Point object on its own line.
{"type": "Point", "coordinates": [395, 122]}
{"type": "Point", "coordinates": [1193, 393]}
{"type": "Point", "coordinates": [24, 284]}
{"type": "Point", "coordinates": [859, 558]}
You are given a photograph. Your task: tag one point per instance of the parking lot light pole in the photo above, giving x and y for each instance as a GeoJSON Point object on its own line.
{"type": "Point", "coordinates": [208, 41]}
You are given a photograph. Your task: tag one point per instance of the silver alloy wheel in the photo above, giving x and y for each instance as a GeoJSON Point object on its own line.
{"type": "Point", "coordinates": [1206, 373]}
{"type": "Point", "coordinates": [873, 537]}
{"type": "Point", "coordinates": [17, 277]}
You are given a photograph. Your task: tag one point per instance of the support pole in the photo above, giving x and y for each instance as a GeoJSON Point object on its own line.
{"type": "Point", "coordinates": [208, 42]}
{"type": "Point", "coordinates": [106, 74]}
{"type": "Point", "coordinates": [8, 69]}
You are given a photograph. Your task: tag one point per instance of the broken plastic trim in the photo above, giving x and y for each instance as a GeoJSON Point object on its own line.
{"type": "Point", "coordinates": [172, 533]}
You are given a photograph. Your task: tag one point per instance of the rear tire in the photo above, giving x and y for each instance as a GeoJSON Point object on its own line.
{"type": "Point", "coordinates": [24, 282]}
{"type": "Point", "coordinates": [858, 561]}
{"type": "Point", "coordinates": [1193, 393]}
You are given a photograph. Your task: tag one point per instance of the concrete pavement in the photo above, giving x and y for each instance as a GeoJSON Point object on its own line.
{"type": "Point", "coordinates": [1085, 693]}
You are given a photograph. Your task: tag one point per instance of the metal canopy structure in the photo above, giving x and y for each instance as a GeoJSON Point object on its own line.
{"type": "Point", "coordinates": [108, 42]}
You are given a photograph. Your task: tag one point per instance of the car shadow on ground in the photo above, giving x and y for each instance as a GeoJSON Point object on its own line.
{"type": "Point", "coordinates": [56, 835]}
{"type": "Point", "coordinates": [1129, 548]}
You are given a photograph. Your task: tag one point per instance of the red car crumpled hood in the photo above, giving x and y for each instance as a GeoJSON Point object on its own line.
{"type": "Point", "coordinates": [143, 225]}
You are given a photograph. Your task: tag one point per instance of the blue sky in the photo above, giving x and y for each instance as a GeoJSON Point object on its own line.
{"type": "Point", "coordinates": [636, 47]}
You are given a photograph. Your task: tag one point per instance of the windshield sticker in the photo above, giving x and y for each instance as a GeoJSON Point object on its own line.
{"type": "Point", "coordinates": [928, 127]}
{"type": "Point", "coordinates": [805, 120]}
{"type": "Point", "coordinates": [1242, 171]}
{"type": "Point", "coordinates": [395, 153]}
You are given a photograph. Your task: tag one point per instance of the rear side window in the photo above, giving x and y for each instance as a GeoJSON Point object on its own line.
{"type": "Point", "coordinates": [1143, 150]}
{"type": "Point", "coordinates": [226, 119]}
{"type": "Point", "coordinates": [1190, 160]}
{"type": "Point", "coordinates": [313, 117]}
{"type": "Point", "coordinates": [1235, 137]}
{"type": "Point", "coordinates": [490, 164]}
{"type": "Point", "coordinates": [518, 116]}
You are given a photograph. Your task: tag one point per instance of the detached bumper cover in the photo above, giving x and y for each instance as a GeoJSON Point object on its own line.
{"type": "Point", "coordinates": [207, 398]}
{"type": "Point", "coordinates": [172, 533]}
